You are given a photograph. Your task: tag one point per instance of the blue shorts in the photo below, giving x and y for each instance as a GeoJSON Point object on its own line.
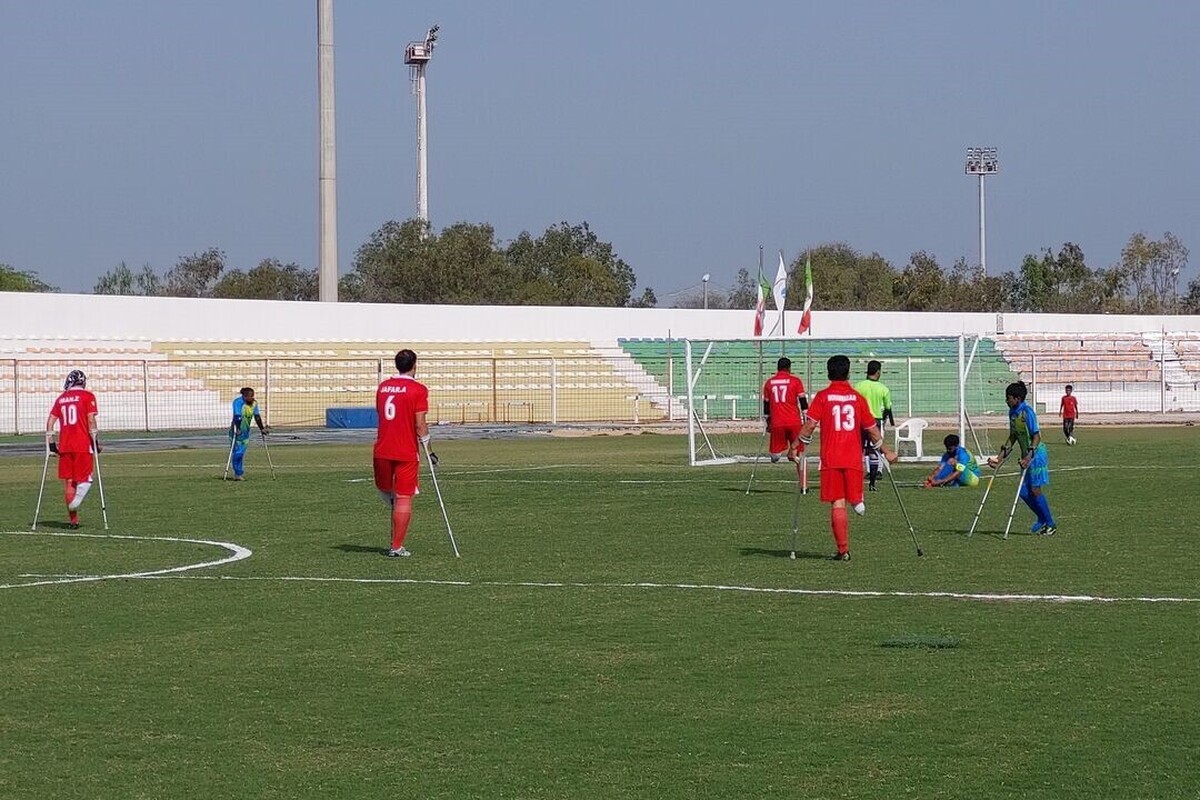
{"type": "Point", "coordinates": [1039, 468]}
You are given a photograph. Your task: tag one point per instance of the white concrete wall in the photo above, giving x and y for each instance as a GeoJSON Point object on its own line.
{"type": "Point", "coordinates": [68, 316]}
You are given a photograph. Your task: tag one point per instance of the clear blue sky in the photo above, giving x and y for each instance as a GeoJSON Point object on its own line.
{"type": "Point", "coordinates": [686, 133]}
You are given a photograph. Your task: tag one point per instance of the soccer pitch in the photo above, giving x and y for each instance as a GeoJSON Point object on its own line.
{"type": "Point", "coordinates": [619, 625]}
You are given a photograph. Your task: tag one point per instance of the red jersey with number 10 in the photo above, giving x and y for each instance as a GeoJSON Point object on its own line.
{"type": "Point", "coordinates": [397, 402]}
{"type": "Point", "coordinates": [842, 414]}
{"type": "Point", "coordinates": [782, 391]}
{"type": "Point", "coordinates": [71, 409]}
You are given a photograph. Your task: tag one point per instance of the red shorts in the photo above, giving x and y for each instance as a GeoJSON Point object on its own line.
{"type": "Point", "coordinates": [841, 484]}
{"type": "Point", "coordinates": [396, 476]}
{"type": "Point", "coordinates": [782, 437]}
{"type": "Point", "coordinates": [75, 467]}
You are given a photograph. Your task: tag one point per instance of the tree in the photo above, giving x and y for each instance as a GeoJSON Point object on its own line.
{"type": "Point", "coordinates": [647, 299]}
{"type": "Point", "coordinates": [569, 265]}
{"type": "Point", "coordinates": [921, 286]}
{"type": "Point", "coordinates": [14, 280]}
{"type": "Point", "coordinates": [848, 280]}
{"type": "Point", "coordinates": [122, 280]}
{"type": "Point", "coordinates": [270, 280]}
{"type": "Point", "coordinates": [745, 291]}
{"type": "Point", "coordinates": [195, 275]}
{"type": "Point", "coordinates": [1190, 303]}
{"type": "Point", "coordinates": [1151, 270]}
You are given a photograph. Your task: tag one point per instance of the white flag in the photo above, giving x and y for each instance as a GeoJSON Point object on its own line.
{"type": "Point", "coordinates": [779, 288]}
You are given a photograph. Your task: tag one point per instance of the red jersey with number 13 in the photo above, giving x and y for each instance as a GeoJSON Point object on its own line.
{"type": "Point", "coordinates": [71, 409]}
{"type": "Point", "coordinates": [397, 402]}
{"type": "Point", "coordinates": [782, 392]}
{"type": "Point", "coordinates": [842, 414]}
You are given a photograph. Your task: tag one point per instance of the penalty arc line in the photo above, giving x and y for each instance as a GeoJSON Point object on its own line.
{"type": "Point", "coordinates": [851, 593]}
{"type": "Point", "coordinates": [237, 553]}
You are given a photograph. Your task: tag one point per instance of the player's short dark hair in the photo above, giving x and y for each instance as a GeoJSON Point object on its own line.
{"type": "Point", "coordinates": [951, 441]}
{"type": "Point", "coordinates": [1017, 390]}
{"type": "Point", "coordinates": [1070, 388]}
{"type": "Point", "coordinates": [784, 363]}
{"type": "Point", "coordinates": [245, 391]}
{"type": "Point", "coordinates": [839, 368]}
{"type": "Point", "coordinates": [405, 361]}
{"type": "Point", "coordinates": [873, 367]}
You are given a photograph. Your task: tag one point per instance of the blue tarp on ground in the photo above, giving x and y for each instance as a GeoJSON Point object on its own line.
{"type": "Point", "coordinates": [351, 418]}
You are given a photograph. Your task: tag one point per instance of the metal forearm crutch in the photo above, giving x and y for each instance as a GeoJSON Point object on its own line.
{"type": "Point", "coordinates": [438, 491]}
{"type": "Point", "coordinates": [1013, 510]}
{"type": "Point", "coordinates": [100, 486]}
{"type": "Point", "coordinates": [41, 488]}
{"type": "Point", "coordinates": [266, 450]}
{"type": "Point", "coordinates": [986, 491]}
{"type": "Point", "coordinates": [229, 461]}
{"type": "Point", "coordinates": [757, 456]}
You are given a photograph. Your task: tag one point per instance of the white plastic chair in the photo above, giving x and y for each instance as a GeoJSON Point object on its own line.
{"type": "Point", "coordinates": [912, 430]}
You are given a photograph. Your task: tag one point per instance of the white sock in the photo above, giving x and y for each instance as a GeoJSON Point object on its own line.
{"type": "Point", "coordinates": [860, 508]}
{"type": "Point", "coordinates": [81, 491]}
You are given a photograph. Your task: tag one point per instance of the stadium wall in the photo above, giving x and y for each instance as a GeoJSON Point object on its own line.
{"type": "Point", "coordinates": [75, 316]}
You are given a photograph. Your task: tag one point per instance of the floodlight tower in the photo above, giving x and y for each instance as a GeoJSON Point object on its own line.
{"type": "Point", "coordinates": [327, 271]}
{"type": "Point", "coordinates": [417, 56]}
{"type": "Point", "coordinates": [982, 161]}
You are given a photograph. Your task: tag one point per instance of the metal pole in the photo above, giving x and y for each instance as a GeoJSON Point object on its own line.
{"type": "Point", "coordinates": [328, 268]}
{"type": "Point", "coordinates": [962, 388]}
{"type": "Point", "coordinates": [146, 393]}
{"type": "Point", "coordinates": [422, 155]}
{"type": "Point", "coordinates": [687, 360]}
{"type": "Point", "coordinates": [910, 387]}
{"type": "Point", "coordinates": [16, 399]}
{"type": "Point", "coordinates": [982, 231]}
{"type": "Point", "coordinates": [670, 380]}
{"type": "Point", "coordinates": [1162, 373]}
{"type": "Point", "coordinates": [267, 390]}
{"type": "Point", "coordinates": [553, 391]}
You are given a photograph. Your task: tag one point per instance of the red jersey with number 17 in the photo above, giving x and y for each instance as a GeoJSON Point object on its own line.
{"type": "Point", "coordinates": [397, 402]}
{"type": "Point", "coordinates": [71, 409]}
{"type": "Point", "coordinates": [842, 414]}
{"type": "Point", "coordinates": [782, 391]}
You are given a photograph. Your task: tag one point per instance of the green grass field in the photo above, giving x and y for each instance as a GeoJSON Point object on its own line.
{"type": "Point", "coordinates": [619, 625]}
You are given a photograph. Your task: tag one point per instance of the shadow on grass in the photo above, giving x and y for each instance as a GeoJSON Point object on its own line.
{"type": "Point", "coordinates": [359, 548]}
{"type": "Point", "coordinates": [773, 553]}
{"type": "Point", "coordinates": [55, 524]}
{"type": "Point", "coordinates": [981, 532]}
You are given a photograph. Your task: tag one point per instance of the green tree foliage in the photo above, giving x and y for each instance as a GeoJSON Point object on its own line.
{"type": "Point", "coordinates": [270, 280]}
{"type": "Point", "coordinates": [14, 280]}
{"type": "Point", "coordinates": [122, 280]}
{"type": "Point", "coordinates": [195, 275]}
{"type": "Point", "coordinates": [1151, 269]}
{"type": "Point", "coordinates": [849, 279]}
{"type": "Point", "coordinates": [407, 262]}
{"type": "Point", "coordinates": [745, 290]}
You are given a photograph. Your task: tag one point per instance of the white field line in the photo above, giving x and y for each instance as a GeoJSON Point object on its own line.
{"type": "Point", "coordinates": [714, 587]}
{"type": "Point", "coordinates": [237, 553]}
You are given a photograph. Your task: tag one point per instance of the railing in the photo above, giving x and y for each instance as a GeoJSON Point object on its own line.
{"type": "Point", "coordinates": [175, 394]}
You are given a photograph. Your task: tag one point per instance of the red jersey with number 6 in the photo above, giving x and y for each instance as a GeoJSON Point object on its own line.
{"type": "Point", "coordinates": [782, 391]}
{"type": "Point", "coordinates": [71, 409]}
{"type": "Point", "coordinates": [397, 402]}
{"type": "Point", "coordinates": [842, 414]}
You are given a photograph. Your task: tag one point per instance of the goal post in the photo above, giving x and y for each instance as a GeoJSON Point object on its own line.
{"type": "Point", "coordinates": [953, 383]}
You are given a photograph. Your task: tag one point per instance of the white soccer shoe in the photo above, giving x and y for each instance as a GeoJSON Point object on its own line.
{"type": "Point", "coordinates": [398, 552]}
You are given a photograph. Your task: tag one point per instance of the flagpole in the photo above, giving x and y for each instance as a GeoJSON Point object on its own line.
{"type": "Point", "coordinates": [782, 321]}
{"type": "Point", "coordinates": [761, 378]}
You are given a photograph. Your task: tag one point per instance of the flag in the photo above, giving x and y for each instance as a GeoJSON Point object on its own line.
{"type": "Point", "coordinates": [760, 310]}
{"type": "Point", "coordinates": [779, 288]}
{"type": "Point", "coordinates": [806, 318]}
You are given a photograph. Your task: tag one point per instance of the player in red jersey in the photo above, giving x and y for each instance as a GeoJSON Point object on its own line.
{"type": "Point", "coordinates": [74, 412]}
{"type": "Point", "coordinates": [401, 404]}
{"type": "Point", "coordinates": [783, 400]}
{"type": "Point", "coordinates": [1068, 408]}
{"type": "Point", "coordinates": [844, 417]}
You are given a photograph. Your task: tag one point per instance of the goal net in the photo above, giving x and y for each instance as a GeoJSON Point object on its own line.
{"type": "Point", "coordinates": [951, 384]}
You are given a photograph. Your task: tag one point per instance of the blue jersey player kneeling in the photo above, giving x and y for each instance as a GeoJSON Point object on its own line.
{"type": "Point", "coordinates": [1023, 431]}
{"type": "Point", "coordinates": [958, 467]}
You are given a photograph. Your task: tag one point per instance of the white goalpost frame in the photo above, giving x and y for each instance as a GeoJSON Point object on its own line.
{"type": "Point", "coordinates": [703, 452]}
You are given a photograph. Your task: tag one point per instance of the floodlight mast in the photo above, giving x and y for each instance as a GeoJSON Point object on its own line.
{"type": "Point", "coordinates": [327, 270]}
{"type": "Point", "coordinates": [982, 161]}
{"type": "Point", "coordinates": [417, 56]}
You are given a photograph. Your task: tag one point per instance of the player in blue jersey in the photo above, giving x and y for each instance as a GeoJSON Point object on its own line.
{"type": "Point", "coordinates": [1024, 432]}
{"type": "Point", "coordinates": [958, 467]}
{"type": "Point", "coordinates": [245, 413]}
